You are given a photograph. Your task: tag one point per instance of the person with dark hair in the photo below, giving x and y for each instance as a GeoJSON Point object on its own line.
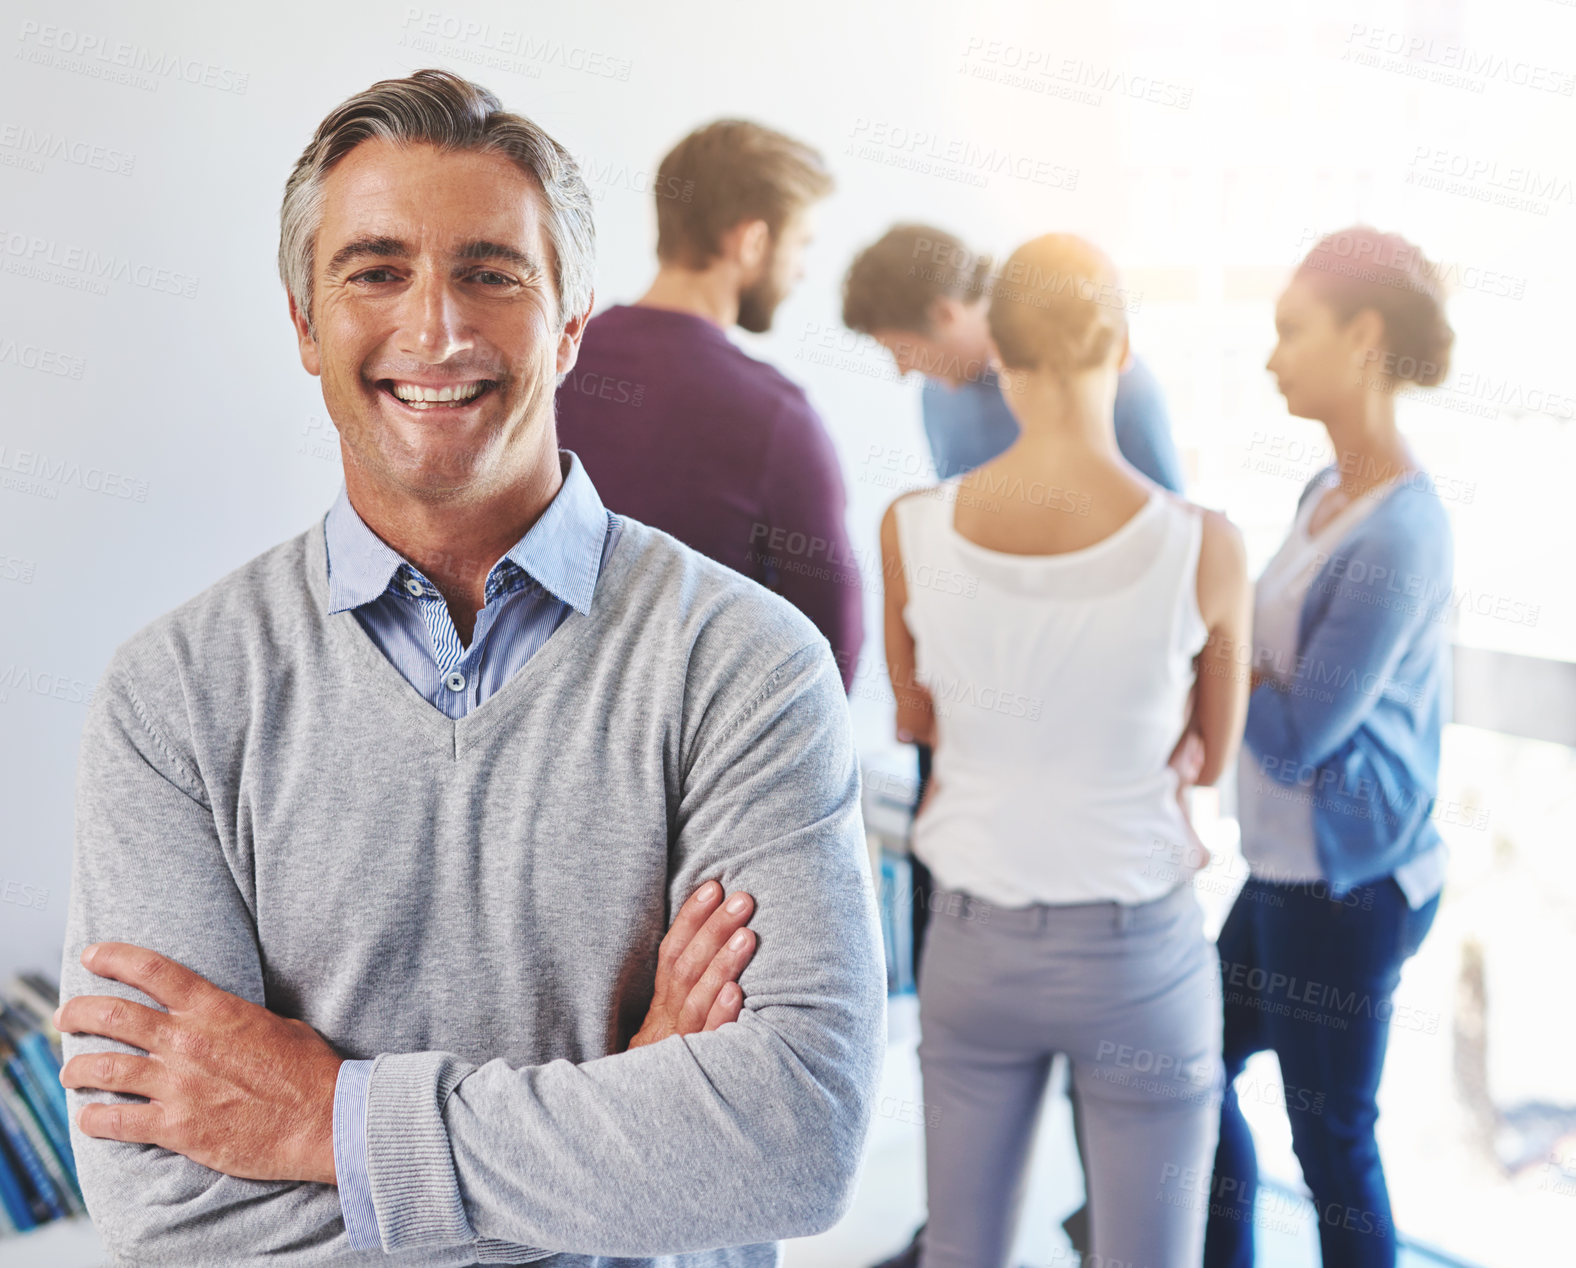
{"type": "Point", "coordinates": [683, 430]}
{"type": "Point", "coordinates": [1339, 769]}
{"type": "Point", "coordinates": [1083, 677]}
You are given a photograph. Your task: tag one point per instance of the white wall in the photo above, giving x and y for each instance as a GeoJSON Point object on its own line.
{"type": "Point", "coordinates": [184, 438]}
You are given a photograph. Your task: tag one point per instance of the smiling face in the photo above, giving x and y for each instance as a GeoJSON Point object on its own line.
{"type": "Point", "coordinates": [438, 336]}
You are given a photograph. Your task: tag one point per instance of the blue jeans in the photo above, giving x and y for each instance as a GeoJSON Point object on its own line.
{"type": "Point", "coordinates": [1312, 978]}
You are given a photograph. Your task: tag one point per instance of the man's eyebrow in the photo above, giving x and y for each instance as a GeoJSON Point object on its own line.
{"type": "Point", "coordinates": [484, 250]}
{"type": "Point", "coordinates": [480, 249]}
{"type": "Point", "coordinates": [357, 247]}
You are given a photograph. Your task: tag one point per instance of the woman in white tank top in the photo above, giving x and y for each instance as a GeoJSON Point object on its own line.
{"type": "Point", "coordinates": [1060, 682]}
{"type": "Point", "coordinates": [1069, 636]}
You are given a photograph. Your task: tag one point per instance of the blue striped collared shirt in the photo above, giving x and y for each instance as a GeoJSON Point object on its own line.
{"type": "Point", "coordinates": [528, 593]}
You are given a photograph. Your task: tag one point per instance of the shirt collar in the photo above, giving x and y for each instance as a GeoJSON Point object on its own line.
{"type": "Point", "coordinates": [561, 552]}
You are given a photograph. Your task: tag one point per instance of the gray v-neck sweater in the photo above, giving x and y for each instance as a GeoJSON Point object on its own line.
{"type": "Point", "coordinates": [477, 903]}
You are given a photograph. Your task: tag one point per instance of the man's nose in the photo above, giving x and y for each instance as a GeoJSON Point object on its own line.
{"type": "Point", "coordinates": [435, 324]}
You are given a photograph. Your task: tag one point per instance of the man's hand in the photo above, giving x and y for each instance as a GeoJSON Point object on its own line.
{"type": "Point", "coordinates": [698, 964]}
{"type": "Point", "coordinates": [229, 1084]}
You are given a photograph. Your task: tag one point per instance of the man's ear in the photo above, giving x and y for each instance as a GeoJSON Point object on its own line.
{"type": "Point", "coordinates": [307, 345]}
{"type": "Point", "coordinates": [751, 245]}
{"type": "Point", "coordinates": [1126, 359]}
{"type": "Point", "coordinates": [942, 314]}
{"type": "Point", "coordinates": [570, 336]}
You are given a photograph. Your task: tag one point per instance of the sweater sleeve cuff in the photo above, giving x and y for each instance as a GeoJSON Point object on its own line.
{"type": "Point", "coordinates": [350, 1155]}
{"type": "Point", "coordinates": [410, 1167]}
{"type": "Point", "coordinates": [1267, 729]}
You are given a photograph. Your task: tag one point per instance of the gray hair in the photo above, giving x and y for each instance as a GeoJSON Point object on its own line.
{"type": "Point", "coordinates": [437, 107]}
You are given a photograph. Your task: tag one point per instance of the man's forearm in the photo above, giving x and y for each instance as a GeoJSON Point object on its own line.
{"type": "Point", "coordinates": [600, 1158]}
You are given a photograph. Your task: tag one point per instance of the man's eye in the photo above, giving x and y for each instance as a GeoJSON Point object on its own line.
{"type": "Point", "coordinates": [493, 277]}
{"type": "Point", "coordinates": [374, 275]}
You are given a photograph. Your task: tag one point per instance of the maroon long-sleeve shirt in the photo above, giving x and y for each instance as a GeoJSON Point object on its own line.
{"type": "Point", "coordinates": [680, 429]}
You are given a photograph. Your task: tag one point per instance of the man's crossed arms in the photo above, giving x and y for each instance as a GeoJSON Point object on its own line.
{"type": "Point", "coordinates": [250, 1093]}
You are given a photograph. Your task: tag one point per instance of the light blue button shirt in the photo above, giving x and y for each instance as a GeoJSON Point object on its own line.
{"type": "Point", "coordinates": [969, 425]}
{"type": "Point", "coordinates": [528, 593]}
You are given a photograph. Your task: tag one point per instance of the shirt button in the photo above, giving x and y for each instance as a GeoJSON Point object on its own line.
{"type": "Point", "coordinates": [455, 681]}
{"type": "Point", "coordinates": [415, 587]}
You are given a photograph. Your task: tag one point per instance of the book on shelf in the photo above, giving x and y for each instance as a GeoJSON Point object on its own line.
{"type": "Point", "coordinates": [38, 1175]}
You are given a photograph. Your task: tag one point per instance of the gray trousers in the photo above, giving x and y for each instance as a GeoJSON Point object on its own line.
{"type": "Point", "coordinates": [1132, 995]}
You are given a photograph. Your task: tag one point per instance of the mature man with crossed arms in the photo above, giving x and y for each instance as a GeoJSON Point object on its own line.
{"type": "Point", "coordinates": [387, 824]}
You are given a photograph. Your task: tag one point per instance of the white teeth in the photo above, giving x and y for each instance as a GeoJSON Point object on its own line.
{"type": "Point", "coordinates": [413, 394]}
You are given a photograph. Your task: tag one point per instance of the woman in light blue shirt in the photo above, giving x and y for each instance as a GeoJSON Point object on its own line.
{"type": "Point", "coordinates": [1339, 767]}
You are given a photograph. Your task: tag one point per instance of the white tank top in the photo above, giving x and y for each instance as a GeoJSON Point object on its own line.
{"type": "Point", "coordinates": [1060, 683]}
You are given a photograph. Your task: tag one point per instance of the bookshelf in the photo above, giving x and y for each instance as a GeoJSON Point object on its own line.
{"type": "Point", "coordinates": [42, 1215]}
